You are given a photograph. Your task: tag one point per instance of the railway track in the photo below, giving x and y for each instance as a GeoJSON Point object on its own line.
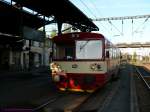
{"type": "Point", "coordinates": [68, 102]}
{"type": "Point", "coordinates": [43, 105]}
{"type": "Point", "coordinates": [79, 102]}
{"type": "Point", "coordinates": [101, 100]}
{"type": "Point", "coordinates": [144, 75]}
{"type": "Point", "coordinates": [141, 79]}
{"type": "Point", "coordinates": [98, 101]}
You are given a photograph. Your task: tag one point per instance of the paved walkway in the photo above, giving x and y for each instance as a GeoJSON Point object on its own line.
{"type": "Point", "coordinates": [121, 100]}
{"type": "Point", "coordinates": [24, 89]}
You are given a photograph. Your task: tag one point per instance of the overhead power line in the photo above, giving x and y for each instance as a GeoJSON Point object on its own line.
{"type": "Point", "coordinates": [141, 24]}
{"type": "Point", "coordinates": [122, 18]}
{"type": "Point", "coordinates": [88, 8]}
{"type": "Point", "coordinates": [115, 27]}
{"type": "Point", "coordinates": [96, 8]}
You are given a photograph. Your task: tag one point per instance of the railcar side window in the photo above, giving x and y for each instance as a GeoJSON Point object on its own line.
{"type": "Point", "coordinates": [89, 49]}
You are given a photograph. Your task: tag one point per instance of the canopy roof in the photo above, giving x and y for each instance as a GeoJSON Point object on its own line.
{"type": "Point", "coordinates": [63, 11]}
{"type": "Point", "coordinates": [12, 19]}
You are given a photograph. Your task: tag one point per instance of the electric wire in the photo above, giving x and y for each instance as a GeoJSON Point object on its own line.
{"type": "Point", "coordinates": [106, 29]}
{"type": "Point", "coordinates": [88, 8]}
{"type": "Point", "coordinates": [77, 3]}
{"type": "Point", "coordinates": [108, 20]}
{"type": "Point", "coordinates": [99, 12]}
{"type": "Point", "coordinates": [141, 24]}
{"type": "Point", "coordinates": [96, 9]}
{"type": "Point", "coordinates": [115, 27]}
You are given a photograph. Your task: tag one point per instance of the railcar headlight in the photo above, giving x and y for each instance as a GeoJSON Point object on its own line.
{"type": "Point", "coordinates": [55, 67]}
{"type": "Point", "coordinates": [95, 67]}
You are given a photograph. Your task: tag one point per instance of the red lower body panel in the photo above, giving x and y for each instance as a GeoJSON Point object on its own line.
{"type": "Point", "coordinates": [82, 82]}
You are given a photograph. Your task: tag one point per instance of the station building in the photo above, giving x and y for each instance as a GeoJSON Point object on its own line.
{"type": "Point", "coordinates": [22, 46]}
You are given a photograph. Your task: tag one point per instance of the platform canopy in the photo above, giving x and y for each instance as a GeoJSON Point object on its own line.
{"type": "Point", "coordinates": [62, 11]}
{"type": "Point", "coordinates": [12, 19]}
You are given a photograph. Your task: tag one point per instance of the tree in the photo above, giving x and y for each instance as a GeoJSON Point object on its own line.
{"type": "Point", "coordinates": [53, 33]}
{"type": "Point", "coordinates": [134, 57]}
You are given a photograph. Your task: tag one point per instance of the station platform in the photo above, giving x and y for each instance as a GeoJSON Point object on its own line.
{"type": "Point", "coordinates": [25, 88]}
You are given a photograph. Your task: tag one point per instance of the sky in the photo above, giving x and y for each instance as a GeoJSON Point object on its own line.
{"type": "Point", "coordinates": [128, 32]}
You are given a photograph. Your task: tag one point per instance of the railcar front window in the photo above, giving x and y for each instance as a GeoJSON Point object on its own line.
{"type": "Point", "coordinates": [63, 52]}
{"type": "Point", "coordinates": [89, 49]}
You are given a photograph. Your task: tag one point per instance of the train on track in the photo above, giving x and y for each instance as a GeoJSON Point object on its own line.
{"type": "Point", "coordinates": [83, 61]}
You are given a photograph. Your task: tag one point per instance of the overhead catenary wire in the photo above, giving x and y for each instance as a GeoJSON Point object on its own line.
{"type": "Point", "coordinates": [125, 18]}
{"type": "Point", "coordinates": [105, 28]}
{"type": "Point", "coordinates": [109, 19]}
{"type": "Point", "coordinates": [98, 11]}
{"type": "Point", "coordinates": [88, 9]}
{"type": "Point", "coordinates": [78, 3]}
{"type": "Point", "coordinates": [141, 24]}
{"type": "Point", "coordinates": [91, 12]}
{"type": "Point", "coordinates": [115, 27]}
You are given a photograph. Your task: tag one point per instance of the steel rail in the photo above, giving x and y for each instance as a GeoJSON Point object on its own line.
{"type": "Point", "coordinates": [30, 109]}
{"type": "Point", "coordinates": [148, 86]}
{"type": "Point", "coordinates": [46, 103]}
{"type": "Point", "coordinates": [75, 106]}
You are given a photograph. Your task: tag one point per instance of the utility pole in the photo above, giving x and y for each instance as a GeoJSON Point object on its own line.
{"type": "Point", "coordinates": [44, 49]}
{"type": "Point", "coordinates": [30, 61]}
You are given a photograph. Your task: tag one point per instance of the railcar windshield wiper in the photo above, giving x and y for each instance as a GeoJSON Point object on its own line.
{"type": "Point", "coordinates": [82, 46]}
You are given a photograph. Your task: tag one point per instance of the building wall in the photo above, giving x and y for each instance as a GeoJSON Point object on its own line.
{"type": "Point", "coordinates": [18, 60]}
{"type": "Point", "coordinates": [40, 54]}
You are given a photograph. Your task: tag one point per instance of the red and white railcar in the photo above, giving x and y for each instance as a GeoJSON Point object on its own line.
{"type": "Point", "coordinates": [83, 61]}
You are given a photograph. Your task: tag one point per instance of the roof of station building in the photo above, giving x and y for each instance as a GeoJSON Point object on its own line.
{"type": "Point", "coordinates": [62, 11]}
{"type": "Point", "coordinates": [12, 19]}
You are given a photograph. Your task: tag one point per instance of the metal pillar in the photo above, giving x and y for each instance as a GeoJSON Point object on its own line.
{"type": "Point", "coordinates": [59, 27]}
{"type": "Point", "coordinates": [44, 49]}
{"type": "Point", "coordinates": [30, 64]}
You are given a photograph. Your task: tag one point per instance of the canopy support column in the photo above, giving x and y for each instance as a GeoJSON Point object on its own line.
{"type": "Point", "coordinates": [59, 23]}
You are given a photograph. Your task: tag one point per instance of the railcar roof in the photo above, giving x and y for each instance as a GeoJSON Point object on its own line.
{"type": "Point", "coordinates": [71, 37]}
